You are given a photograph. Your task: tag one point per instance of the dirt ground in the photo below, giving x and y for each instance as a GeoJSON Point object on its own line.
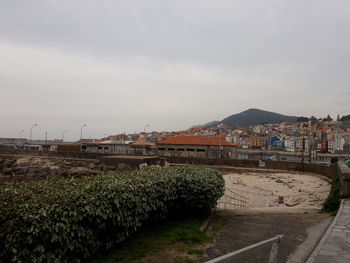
{"type": "Point", "coordinates": [240, 231]}
{"type": "Point", "coordinates": [263, 189]}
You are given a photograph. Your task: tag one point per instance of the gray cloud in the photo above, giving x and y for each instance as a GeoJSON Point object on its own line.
{"type": "Point", "coordinates": [120, 64]}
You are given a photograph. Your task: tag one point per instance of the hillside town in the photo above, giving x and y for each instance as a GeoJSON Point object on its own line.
{"type": "Point", "coordinates": [312, 136]}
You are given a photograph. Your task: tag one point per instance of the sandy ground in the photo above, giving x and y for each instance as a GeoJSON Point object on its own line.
{"type": "Point", "coordinates": [263, 189]}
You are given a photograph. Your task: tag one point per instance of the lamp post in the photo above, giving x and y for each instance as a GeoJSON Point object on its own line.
{"type": "Point", "coordinates": [20, 134]}
{"type": "Point", "coordinates": [144, 129]}
{"type": "Point", "coordinates": [81, 131]}
{"type": "Point", "coordinates": [31, 129]}
{"type": "Point", "coordinates": [63, 134]}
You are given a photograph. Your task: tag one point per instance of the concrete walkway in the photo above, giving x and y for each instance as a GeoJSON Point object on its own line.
{"type": "Point", "coordinates": [334, 247]}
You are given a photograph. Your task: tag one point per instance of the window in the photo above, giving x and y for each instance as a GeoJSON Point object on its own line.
{"type": "Point", "coordinates": [171, 149]}
{"type": "Point", "coordinates": [181, 149]}
{"type": "Point", "coordinates": [200, 150]}
{"type": "Point", "coordinates": [190, 150]}
{"type": "Point", "coordinates": [161, 149]}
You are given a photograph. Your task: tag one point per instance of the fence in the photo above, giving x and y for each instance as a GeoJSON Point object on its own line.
{"type": "Point", "coordinates": [273, 254]}
{"type": "Point", "coordinates": [233, 200]}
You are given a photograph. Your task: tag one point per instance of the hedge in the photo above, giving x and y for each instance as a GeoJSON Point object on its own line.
{"type": "Point", "coordinates": [67, 220]}
{"type": "Point", "coordinates": [332, 203]}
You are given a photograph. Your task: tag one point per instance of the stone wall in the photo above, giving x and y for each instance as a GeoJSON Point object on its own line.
{"type": "Point", "coordinates": [16, 168]}
{"type": "Point", "coordinates": [116, 163]}
{"type": "Point", "coordinates": [132, 161]}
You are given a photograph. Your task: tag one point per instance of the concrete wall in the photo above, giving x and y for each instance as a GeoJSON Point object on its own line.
{"type": "Point", "coordinates": [325, 170]}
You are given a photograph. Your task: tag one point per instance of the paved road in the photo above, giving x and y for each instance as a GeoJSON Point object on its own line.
{"type": "Point", "coordinates": [244, 230]}
{"type": "Point", "coordinates": [334, 247]}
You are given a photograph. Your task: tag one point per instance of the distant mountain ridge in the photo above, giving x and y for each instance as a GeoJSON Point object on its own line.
{"type": "Point", "coordinates": [251, 117]}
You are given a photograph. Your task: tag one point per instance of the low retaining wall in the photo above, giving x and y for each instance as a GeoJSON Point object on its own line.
{"type": "Point", "coordinates": [133, 161]}
{"type": "Point", "coordinates": [324, 170]}
{"type": "Point", "coordinates": [79, 155]}
{"type": "Point", "coordinates": [28, 167]}
{"type": "Point", "coordinates": [344, 173]}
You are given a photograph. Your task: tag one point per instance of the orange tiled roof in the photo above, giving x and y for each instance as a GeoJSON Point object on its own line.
{"type": "Point", "coordinates": [196, 140]}
{"type": "Point", "coordinates": [96, 142]}
{"type": "Point", "coordinates": [143, 143]}
{"type": "Point", "coordinates": [222, 135]}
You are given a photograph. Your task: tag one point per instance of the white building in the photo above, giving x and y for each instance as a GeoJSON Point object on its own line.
{"type": "Point", "coordinates": [331, 146]}
{"type": "Point", "coordinates": [289, 145]}
{"type": "Point", "coordinates": [307, 145]}
{"type": "Point", "coordinates": [339, 144]}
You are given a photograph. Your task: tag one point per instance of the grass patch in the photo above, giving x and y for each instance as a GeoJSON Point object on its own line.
{"type": "Point", "coordinates": [198, 252]}
{"type": "Point", "coordinates": [179, 259]}
{"type": "Point", "coordinates": [178, 234]}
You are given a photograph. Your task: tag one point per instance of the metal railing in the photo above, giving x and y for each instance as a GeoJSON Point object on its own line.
{"type": "Point", "coordinates": [273, 253]}
{"type": "Point", "coordinates": [233, 200]}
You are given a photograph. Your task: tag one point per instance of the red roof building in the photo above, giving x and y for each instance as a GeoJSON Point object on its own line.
{"type": "Point", "coordinates": [195, 146]}
{"type": "Point", "coordinates": [196, 140]}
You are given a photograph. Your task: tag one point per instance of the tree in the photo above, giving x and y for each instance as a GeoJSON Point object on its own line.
{"type": "Point", "coordinates": [313, 118]}
{"type": "Point", "coordinates": [345, 118]}
{"type": "Point", "coordinates": [302, 119]}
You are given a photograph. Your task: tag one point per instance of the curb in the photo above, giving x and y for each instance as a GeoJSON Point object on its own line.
{"type": "Point", "coordinates": [326, 235]}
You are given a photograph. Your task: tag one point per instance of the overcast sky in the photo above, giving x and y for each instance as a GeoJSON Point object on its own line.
{"type": "Point", "coordinates": [118, 65]}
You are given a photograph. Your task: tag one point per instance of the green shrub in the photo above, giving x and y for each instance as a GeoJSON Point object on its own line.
{"type": "Point", "coordinates": [332, 203]}
{"type": "Point", "coordinates": [347, 163]}
{"type": "Point", "coordinates": [65, 220]}
{"type": "Point", "coordinates": [334, 159]}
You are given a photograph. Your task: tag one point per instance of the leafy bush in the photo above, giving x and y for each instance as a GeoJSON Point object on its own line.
{"type": "Point", "coordinates": [65, 220]}
{"type": "Point", "coordinates": [332, 203]}
{"type": "Point", "coordinates": [334, 159]}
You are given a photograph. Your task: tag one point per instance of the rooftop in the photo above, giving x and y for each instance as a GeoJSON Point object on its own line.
{"type": "Point", "coordinates": [196, 140]}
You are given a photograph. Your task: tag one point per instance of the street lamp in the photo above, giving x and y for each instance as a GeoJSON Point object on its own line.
{"type": "Point", "coordinates": [144, 129]}
{"type": "Point", "coordinates": [20, 134]}
{"type": "Point", "coordinates": [81, 131]}
{"type": "Point", "coordinates": [31, 129]}
{"type": "Point", "coordinates": [63, 134]}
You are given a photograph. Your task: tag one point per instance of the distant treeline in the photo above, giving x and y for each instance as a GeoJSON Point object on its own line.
{"type": "Point", "coordinates": [328, 118]}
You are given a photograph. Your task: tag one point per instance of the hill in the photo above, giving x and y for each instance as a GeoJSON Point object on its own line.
{"type": "Point", "coordinates": [252, 117]}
